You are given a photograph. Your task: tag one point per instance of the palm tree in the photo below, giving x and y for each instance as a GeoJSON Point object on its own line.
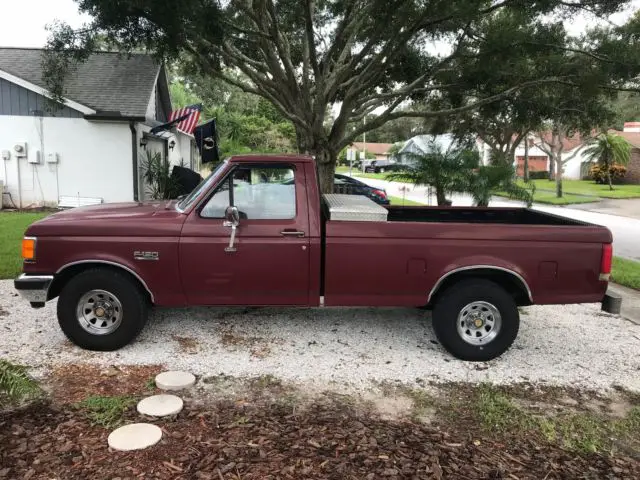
{"type": "Point", "coordinates": [609, 149]}
{"type": "Point", "coordinates": [445, 169]}
{"type": "Point", "coordinates": [485, 180]}
{"type": "Point", "coordinates": [457, 169]}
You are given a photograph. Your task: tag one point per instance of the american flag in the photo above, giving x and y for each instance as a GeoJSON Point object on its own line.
{"type": "Point", "coordinates": [187, 117]}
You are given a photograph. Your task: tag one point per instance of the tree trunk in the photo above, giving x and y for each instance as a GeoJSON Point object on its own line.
{"type": "Point", "coordinates": [609, 176]}
{"type": "Point", "coordinates": [558, 176]}
{"type": "Point", "coordinates": [441, 196]}
{"type": "Point", "coordinates": [326, 166]}
{"type": "Point", "coordinates": [525, 166]}
{"type": "Point", "coordinates": [552, 168]}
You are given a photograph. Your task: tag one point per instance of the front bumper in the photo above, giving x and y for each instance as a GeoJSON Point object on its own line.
{"type": "Point", "coordinates": [33, 288]}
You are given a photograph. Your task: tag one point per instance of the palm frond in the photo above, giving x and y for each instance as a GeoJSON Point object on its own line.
{"type": "Point", "coordinates": [16, 383]}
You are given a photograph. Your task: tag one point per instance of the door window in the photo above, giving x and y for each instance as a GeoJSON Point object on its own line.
{"type": "Point", "coordinates": [259, 193]}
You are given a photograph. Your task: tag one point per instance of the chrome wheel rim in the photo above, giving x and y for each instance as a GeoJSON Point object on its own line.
{"type": "Point", "coordinates": [479, 323]}
{"type": "Point", "coordinates": [99, 312]}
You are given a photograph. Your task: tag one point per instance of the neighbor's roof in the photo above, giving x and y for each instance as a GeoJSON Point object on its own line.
{"type": "Point", "coordinates": [375, 148]}
{"type": "Point", "coordinates": [424, 143]}
{"type": "Point", "coordinates": [106, 82]}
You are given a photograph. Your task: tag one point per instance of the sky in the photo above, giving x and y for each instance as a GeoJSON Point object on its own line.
{"type": "Point", "coordinates": [22, 23]}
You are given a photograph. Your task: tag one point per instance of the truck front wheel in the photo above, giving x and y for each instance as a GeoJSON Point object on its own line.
{"type": "Point", "coordinates": [102, 309]}
{"type": "Point", "coordinates": [476, 320]}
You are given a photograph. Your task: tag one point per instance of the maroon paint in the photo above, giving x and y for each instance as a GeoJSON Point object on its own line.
{"type": "Point", "coordinates": [367, 263]}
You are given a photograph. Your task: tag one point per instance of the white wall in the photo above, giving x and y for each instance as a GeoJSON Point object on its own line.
{"type": "Point", "coordinates": [94, 160]}
{"type": "Point", "coordinates": [571, 169]}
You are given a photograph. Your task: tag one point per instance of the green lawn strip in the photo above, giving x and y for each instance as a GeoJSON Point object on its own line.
{"type": "Point", "coordinates": [626, 272]}
{"type": "Point", "coordinates": [550, 198]}
{"type": "Point", "coordinates": [398, 201]}
{"type": "Point", "coordinates": [581, 431]}
{"type": "Point", "coordinates": [12, 227]}
{"type": "Point", "coordinates": [588, 188]}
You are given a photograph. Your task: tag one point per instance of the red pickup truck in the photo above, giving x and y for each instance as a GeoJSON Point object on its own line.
{"type": "Point", "coordinates": [257, 231]}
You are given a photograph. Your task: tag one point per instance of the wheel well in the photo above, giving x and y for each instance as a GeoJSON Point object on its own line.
{"type": "Point", "coordinates": [510, 282]}
{"type": "Point", "coordinates": [63, 277]}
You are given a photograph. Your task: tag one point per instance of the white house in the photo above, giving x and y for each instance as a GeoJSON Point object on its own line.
{"type": "Point", "coordinates": [92, 148]}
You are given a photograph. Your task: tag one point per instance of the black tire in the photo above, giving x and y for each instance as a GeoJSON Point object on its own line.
{"type": "Point", "coordinates": [133, 301]}
{"type": "Point", "coordinates": [450, 304]}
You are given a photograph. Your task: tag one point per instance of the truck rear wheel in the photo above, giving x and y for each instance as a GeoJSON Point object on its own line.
{"type": "Point", "coordinates": [476, 320]}
{"type": "Point", "coordinates": [102, 309]}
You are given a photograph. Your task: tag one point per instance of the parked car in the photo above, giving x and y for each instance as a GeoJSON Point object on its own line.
{"type": "Point", "coordinates": [382, 166]}
{"type": "Point", "coordinates": [349, 185]}
{"type": "Point", "coordinates": [261, 242]}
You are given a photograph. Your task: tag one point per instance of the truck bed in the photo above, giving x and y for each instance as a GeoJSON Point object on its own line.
{"type": "Point", "coordinates": [512, 216]}
{"type": "Point", "coordinates": [398, 261]}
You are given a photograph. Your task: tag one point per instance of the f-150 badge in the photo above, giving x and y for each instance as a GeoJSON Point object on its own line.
{"type": "Point", "coordinates": [137, 255]}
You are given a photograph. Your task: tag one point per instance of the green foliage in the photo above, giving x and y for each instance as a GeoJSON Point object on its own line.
{"type": "Point", "coordinates": [486, 180]}
{"type": "Point", "coordinates": [300, 56]}
{"type": "Point", "coordinates": [106, 412]}
{"type": "Point", "coordinates": [160, 184]}
{"type": "Point", "coordinates": [539, 175]}
{"type": "Point", "coordinates": [608, 149]}
{"type": "Point", "coordinates": [598, 173]}
{"type": "Point", "coordinates": [445, 169]}
{"type": "Point", "coordinates": [458, 169]}
{"type": "Point", "coordinates": [15, 383]}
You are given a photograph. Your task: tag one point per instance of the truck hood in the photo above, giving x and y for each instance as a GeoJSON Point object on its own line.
{"type": "Point", "coordinates": [156, 219]}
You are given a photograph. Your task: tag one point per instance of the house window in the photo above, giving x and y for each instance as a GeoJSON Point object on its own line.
{"type": "Point", "coordinates": [259, 193]}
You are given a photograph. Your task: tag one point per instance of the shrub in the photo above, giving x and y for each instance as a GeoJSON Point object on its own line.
{"type": "Point", "coordinates": [599, 175]}
{"type": "Point", "coordinates": [539, 175]}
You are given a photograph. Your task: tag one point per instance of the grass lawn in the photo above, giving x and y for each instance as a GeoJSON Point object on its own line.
{"type": "Point", "coordinates": [358, 173]}
{"type": "Point", "coordinates": [12, 227]}
{"type": "Point", "coordinates": [550, 198]}
{"type": "Point", "coordinates": [626, 272]}
{"type": "Point", "coordinates": [588, 187]}
{"type": "Point", "coordinates": [399, 201]}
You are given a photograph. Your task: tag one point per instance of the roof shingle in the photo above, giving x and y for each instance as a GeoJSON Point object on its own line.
{"type": "Point", "coordinates": [106, 82]}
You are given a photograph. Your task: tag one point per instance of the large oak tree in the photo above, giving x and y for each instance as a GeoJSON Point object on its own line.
{"type": "Point", "coordinates": [370, 57]}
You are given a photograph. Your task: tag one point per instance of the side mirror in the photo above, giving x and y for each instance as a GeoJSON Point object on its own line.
{"type": "Point", "coordinates": [232, 216]}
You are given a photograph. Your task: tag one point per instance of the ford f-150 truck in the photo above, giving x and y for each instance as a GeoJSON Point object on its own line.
{"type": "Point", "coordinates": [258, 232]}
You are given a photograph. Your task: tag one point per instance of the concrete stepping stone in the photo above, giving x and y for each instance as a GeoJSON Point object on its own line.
{"type": "Point", "coordinates": [175, 380]}
{"type": "Point", "coordinates": [134, 437]}
{"type": "Point", "coordinates": [160, 405]}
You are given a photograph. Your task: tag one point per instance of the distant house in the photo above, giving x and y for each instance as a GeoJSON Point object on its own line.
{"type": "Point", "coordinates": [380, 150]}
{"type": "Point", "coordinates": [93, 146]}
{"type": "Point", "coordinates": [631, 134]}
{"type": "Point", "coordinates": [424, 144]}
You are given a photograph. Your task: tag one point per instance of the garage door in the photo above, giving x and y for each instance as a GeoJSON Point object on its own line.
{"type": "Point", "coordinates": [536, 164]}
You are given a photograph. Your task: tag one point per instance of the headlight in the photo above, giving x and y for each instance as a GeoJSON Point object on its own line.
{"type": "Point", "coordinates": [29, 249]}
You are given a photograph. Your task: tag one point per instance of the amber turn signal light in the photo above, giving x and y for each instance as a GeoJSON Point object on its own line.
{"type": "Point", "coordinates": [29, 249]}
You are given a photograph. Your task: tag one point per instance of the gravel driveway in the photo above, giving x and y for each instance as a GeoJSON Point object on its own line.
{"type": "Point", "coordinates": [573, 345]}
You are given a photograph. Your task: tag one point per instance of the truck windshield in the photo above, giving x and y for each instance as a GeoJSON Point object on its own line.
{"type": "Point", "coordinates": [186, 202]}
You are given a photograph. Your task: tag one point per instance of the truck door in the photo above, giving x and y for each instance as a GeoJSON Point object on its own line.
{"type": "Point", "coordinates": [268, 263]}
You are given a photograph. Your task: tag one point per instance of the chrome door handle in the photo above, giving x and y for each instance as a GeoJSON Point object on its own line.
{"type": "Point", "coordinates": [291, 233]}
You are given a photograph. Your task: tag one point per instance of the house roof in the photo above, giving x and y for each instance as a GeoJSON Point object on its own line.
{"type": "Point", "coordinates": [106, 82]}
{"type": "Point", "coordinates": [375, 148]}
{"type": "Point", "coordinates": [424, 143]}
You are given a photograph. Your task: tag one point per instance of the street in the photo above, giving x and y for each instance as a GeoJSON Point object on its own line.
{"type": "Point", "coordinates": [625, 230]}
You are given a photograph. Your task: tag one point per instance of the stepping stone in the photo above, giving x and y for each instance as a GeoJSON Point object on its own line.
{"type": "Point", "coordinates": [175, 380]}
{"type": "Point", "coordinates": [160, 405]}
{"type": "Point", "coordinates": [134, 437]}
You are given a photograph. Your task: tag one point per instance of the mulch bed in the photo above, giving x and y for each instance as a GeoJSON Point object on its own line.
{"type": "Point", "coordinates": [328, 440]}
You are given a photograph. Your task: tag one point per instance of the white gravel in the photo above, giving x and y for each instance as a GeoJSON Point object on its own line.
{"type": "Point", "coordinates": [574, 345]}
